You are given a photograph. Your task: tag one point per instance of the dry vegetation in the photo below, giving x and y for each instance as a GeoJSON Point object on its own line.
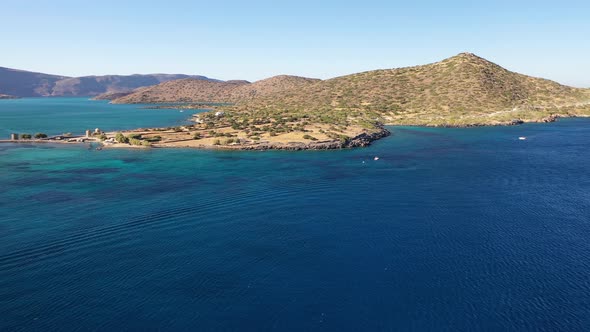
{"type": "Point", "coordinates": [199, 91]}
{"type": "Point", "coordinates": [464, 90]}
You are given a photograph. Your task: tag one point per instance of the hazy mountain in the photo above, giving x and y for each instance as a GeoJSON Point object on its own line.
{"type": "Point", "coordinates": [29, 84]}
{"type": "Point", "coordinates": [22, 83]}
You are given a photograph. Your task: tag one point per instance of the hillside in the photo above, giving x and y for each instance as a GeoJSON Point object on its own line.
{"type": "Point", "coordinates": [29, 84]}
{"type": "Point", "coordinates": [286, 112]}
{"type": "Point", "coordinates": [7, 97]}
{"type": "Point", "coordinates": [196, 91]}
{"type": "Point", "coordinates": [462, 90]}
{"type": "Point", "coordinates": [185, 90]}
{"type": "Point", "coordinates": [95, 85]}
{"type": "Point", "coordinates": [25, 83]}
{"type": "Point", "coordinates": [459, 91]}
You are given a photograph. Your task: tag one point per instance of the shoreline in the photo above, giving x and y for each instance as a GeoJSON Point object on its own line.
{"type": "Point", "coordinates": [363, 139]}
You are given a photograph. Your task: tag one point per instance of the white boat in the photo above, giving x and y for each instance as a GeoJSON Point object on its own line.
{"type": "Point", "coordinates": [522, 138]}
{"type": "Point", "coordinates": [376, 158]}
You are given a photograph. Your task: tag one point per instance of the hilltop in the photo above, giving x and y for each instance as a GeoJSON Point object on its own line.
{"type": "Point", "coordinates": [461, 90]}
{"type": "Point", "coordinates": [22, 83]}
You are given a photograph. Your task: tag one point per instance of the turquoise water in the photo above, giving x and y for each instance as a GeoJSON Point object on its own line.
{"type": "Point", "coordinates": [451, 229]}
{"type": "Point", "coordinates": [55, 116]}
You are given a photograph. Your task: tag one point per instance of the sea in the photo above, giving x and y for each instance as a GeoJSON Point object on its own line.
{"type": "Point", "coordinates": [451, 229]}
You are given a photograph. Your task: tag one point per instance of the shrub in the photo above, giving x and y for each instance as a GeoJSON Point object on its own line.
{"type": "Point", "coordinates": [135, 136]}
{"type": "Point", "coordinates": [309, 137]}
{"type": "Point", "coordinates": [216, 142]}
{"type": "Point", "coordinates": [102, 137]}
{"type": "Point", "coordinates": [146, 143]}
{"type": "Point", "coordinates": [40, 135]}
{"type": "Point", "coordinates": [197, 136]}
{"type": "Point", "coordinates": [134, 141]}
{"type": "Point", "coordinates": [26, 136]}
{"type": "Point", "coordinates": [121, 138]}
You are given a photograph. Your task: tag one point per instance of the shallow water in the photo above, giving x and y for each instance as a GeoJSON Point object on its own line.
{"type": "Point", "coordinates": [451, 229]}
{"type": "Point", "coordinates": [55, 116]}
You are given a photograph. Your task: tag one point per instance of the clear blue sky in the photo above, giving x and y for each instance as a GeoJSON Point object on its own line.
{"type": "Point", "coordinates": [256, 39]}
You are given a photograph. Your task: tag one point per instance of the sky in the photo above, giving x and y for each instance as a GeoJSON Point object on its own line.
{"type": "Point", "coordinates": [257, 39]}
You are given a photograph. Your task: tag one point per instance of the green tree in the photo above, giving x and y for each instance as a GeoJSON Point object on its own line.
{"type": "Point", "coordinates": [121, 138]}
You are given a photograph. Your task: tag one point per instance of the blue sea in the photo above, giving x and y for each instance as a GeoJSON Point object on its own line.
{"type": "Point", "coordinates": [450, 230]}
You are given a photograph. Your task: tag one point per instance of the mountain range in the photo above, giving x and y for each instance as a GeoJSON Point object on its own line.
{"type": "Point", "coordinates": [20, 83]}
{"type": "Point", "coordinates": [462, 90]}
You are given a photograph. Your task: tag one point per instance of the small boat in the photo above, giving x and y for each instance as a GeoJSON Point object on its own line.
{"type": "Point", "coordinates": [376, 158]}
{"type": "Point", "coordinates": [522, 138]}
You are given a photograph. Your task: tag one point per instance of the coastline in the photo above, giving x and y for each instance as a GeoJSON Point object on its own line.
{"type": "Point", "coordinates": [363, 139]}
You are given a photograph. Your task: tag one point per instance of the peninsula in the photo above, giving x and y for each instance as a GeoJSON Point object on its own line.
{"type": "Point", "coordinates": [295, 113]}
{"type": "Point", "coordinates": [290, 112]}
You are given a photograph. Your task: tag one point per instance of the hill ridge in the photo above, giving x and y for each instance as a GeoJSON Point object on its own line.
{"type": "Point", "coordinates": [23, 83]}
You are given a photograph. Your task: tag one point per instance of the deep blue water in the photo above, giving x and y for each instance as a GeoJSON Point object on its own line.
{"type": "Point", "coordinates": [452, 229]}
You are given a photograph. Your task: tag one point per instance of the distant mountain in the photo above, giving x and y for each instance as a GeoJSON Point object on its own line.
{"type": "Point", "coordinates": [29, 84]}
{"type": "Point", "coordinates": [95, 85]}
{"type": "Point", "coordinates": [26, 84]}
{"type": "Point", "coordinates": [191, 90]}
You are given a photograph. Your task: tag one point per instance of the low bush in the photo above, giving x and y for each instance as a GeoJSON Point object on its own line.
{"type": "Point", "coordinates": [120, 138]}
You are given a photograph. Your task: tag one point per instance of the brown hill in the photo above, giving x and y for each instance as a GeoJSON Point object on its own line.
{"type": "Point", "coordinates": [196, 91]}
{"type": "Point", "coordinates": [186, 90]}
{"type": "Point", "coordinates": [464, 89]}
